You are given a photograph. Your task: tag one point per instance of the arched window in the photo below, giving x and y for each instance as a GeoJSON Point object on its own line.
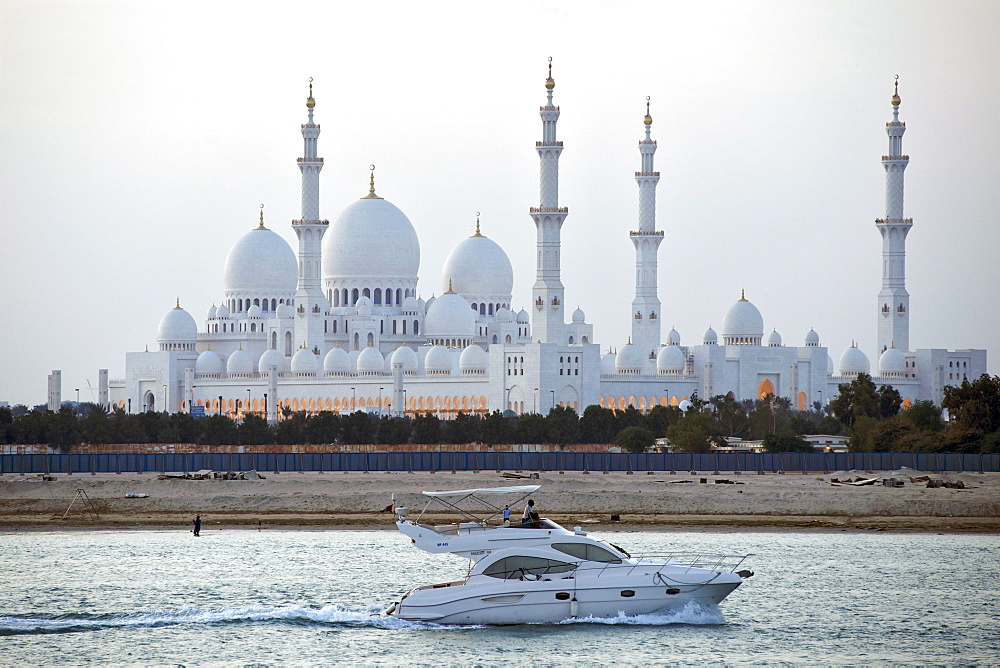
{"type": "Point", "coordinates": [388, 297]}
{"type": "Point", "coordinates": [416, 328]}
{"type": "Point", "coordinates": [366, 293]}
{"type": "Point", "coordinates": [399, 296]}
{"type": "Point", "coordinates": [393, 326]}
{"type": "Point", "coordinates": [288, 344]}
{"type": "Point", "coordinates": [354, 296]}
{"type": "Point", "coordinates": [491, 309]}
{"type": "Point", "coordinates": [404, 328]}
{"type": "Point", "coordinates": [335, 297]}
{"type": "Point", "coordinates": [274, 340]}
{"type": "Point", "coordinates": [378, 296]}
{"type": "Point", "coordinates": [256, 302]}
{"type": "Point", "coordinates": [357, 340]}
{"type": "Point", "coordinates": [253, 327]}
{"type": "Point", "coordinates": [274, 305]}
{"type": "Point", "coordinates": [494, 338]}
{"type": "Point", "coordinates": [334, 326]}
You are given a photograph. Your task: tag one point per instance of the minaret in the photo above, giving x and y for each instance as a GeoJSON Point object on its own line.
{"type": "Point", "coordinates": [310, 304]}
{"type": "Point", "coordinates": [547, 293]}
{"type": "Point", "coordinates": [893, 299]}
{"type": "Point", "coordinates": [646, 305]}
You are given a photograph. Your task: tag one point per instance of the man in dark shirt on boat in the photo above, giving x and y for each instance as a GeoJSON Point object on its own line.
{"type": "Point", "coordinates": [528, 509]}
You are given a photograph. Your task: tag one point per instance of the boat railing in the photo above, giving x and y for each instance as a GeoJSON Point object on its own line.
{"type": "Point", "coordinates": [683, 560]}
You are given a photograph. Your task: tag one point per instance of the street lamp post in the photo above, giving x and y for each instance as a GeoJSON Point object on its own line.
{"type": "Point", "coordinates": [354, 400]}
{"type": "Point", "coordinates": [164, 398]}
{"type": "Point", "coordinates": [130, 405]}
{"type": "Point", "coordinates": [380, 402]}
{"type": "Point", "coordinates": [248, 402]}
{"type": "Point", "coordinates": [77, 411]}
{"type": "Point", "coordinates": [553, 399]}
{"type": "Point", "coordinates": [220, 404]}
{"type": "Point", "coordinates": [508, 399]}
{"type": "Point", "coordinates": [534, 397]}
{"type": "Point", "coordinates": [265, 405]}
{"type": "Point", "coordinates": [403, 412]}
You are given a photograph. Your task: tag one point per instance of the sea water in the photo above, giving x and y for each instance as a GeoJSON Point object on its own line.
{"type": "Point", "coordinates": [313, 597]}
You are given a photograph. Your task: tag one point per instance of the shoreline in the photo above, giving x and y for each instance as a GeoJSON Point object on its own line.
{"type": "Point", "coordinates": [656, 503]}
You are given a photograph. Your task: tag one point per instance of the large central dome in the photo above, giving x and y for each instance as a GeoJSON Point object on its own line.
{"type": "Point", "coordinates": [478, 268]}
{"type": "Point", "coordinates": [371, 239]}
{"type": "Point", "coordinates": [261, 261]}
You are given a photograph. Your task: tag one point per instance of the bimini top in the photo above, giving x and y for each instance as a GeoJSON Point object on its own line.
{"type": "Point", "coordinates": [522, 489]}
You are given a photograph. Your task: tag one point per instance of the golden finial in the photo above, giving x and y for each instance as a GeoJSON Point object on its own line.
{"type": "Point", "coordinates": [450, 290]}
{"type": "Point", "coordinates": [743, 295]}
{"type": "Point", "coordinates": [147, 347]}
{"type": "Point", "coordinates": [178, 304]}
{"type": "Point", "coordinates": [895, 93]}
{"type": "Point", "coordinates": [477, 234]}
{"type": "Point", "coordinates": [649, 119]}
{"type": "Point", "coordinates": [261, 225]}
{"type": "Point", "coordinates": [371, 186]}
{"type": "Point", "coordinates": [310, 102]}
{"type": "Point", "coordinates": [550, 82]}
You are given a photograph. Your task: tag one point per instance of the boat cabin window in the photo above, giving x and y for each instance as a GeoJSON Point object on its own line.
{"type": "Point", "coordinates": [588, 552]}
{"type": "Point", "coordinates": [510, 568]}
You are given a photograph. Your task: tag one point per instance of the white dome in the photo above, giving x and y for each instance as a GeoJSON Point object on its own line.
{"type": "Point", "coordinates": [429, 303]}
{"type": "Point", "coordinates": [743, 324]}
{"type": "Point", "coordinates": [239, 364]}
{"type": "Point", "coordinates": [504, 315]}
{"type": "Point", "coordinates": [684, 405]}
{"type": "Point", "coordinates": [710, 338]}
{"type": "Point", "coordinates": [629, 359]}
{"type": "Point", "coordinates": [404, 355]}
{"type": "Point", "coordinates": [478, 267]}
{"type": "Point", "coordinates": [829, 365]}
{"type": "Point", "coordinates": [371, 362]}
{"type": "Point", "coordinates": [438, 360]}
{"type": "Point", "coordinates": [892, 363]}
{"type": "Point", "coordinates": [365, 306]}
{"type": "Point", "coordinates": [673, 338]}
{"type": "Point", "coordinates": [304, 362]}
{"type": "Point", "coordinates": [271, 358]}
{"type": "Point", "coordinates": [608, 364]}
{"type": "Point", "coordinates": [222, 311]}
{"type": "Point", "coordinates": [211, 312]}
{"type": "Point", "coordinates": [449, 315]}
{"type": "Point", "coordinates": [255, 312]}
{"type": "Point", "coordinates": [410, 305]}
{"type": "Point", "coordinates": [371, 238]}
{"type": "Point", "coordinates": [208, 363]}
{"type": "Point", "coordinates": [177, 326]}
{"type": "Point", "coordinates": [522, 316]}
{"type": "Point", "coordinates": [853, 362]}
{"type": "Point", "coordinates": [261, 261]}
{"type": "Point", "coordinates": [774, 339]}
{"type": "Point", "coordinates": [812, 338]}
{"type": "Point", "coordinates": [670, 359]}
{"type": "Point", "coordinates": [337, 362]}
{"type": "Point", "coordinates": [473, 359]}
{"type": "Point", "coordinates": [579, 317]}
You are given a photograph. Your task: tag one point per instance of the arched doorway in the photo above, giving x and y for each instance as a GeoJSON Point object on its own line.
{"type": "Point", "coordinates": [765, 388]}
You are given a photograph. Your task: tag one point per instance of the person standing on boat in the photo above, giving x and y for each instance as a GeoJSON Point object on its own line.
{"type": "Point", "coordinates": [529, 508]}
{"type": "Point", "coordinates": [506, 516]}
{"type": "Point", "coordinates": [197, 525]}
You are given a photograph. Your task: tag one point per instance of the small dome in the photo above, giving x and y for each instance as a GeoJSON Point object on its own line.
{"type": "Point", "coordinates": [177, 326]}
{"type": "Point", "coordinates": [410, 306]}
{"type": "Point", "coordinates": [579, 317]}
{"type": "Point", "coordinates": [404, 355]}
{"type": "Point", "coordinates": [449, 315]}
{"type": "Point", "coordinates": [261, 261]}
{"type": "Point", "coordinates": [522, 317]}
{"type": "Point", "coordinates": [304, 362]}
{"type": "Point", "coordinates": [829, 365]}
{"type": "Point", "coordinates": [427, 304]}
{"type": "Point", "coordinates": [212, 311]}
{"type": "Point", "coordinates": [504, 315]}
{"type": "Point", "coordinates": [673, 338]}
{"type": "Point", "coordinates": [853, 362]}
{"type": "Point", "coordinates": [222, 312]}
{"type": "Point", "coordinates": [271, 358]}
{"type": "Point", "coordinates": [473, 360]}
{"type": "Point", "coordinates": [892, 363]}
{"type": "Point", "coordinates": [371, 237]}
{"type": "Point", "coordinates": [684, 405]}
{"type": "Point", "coordinates": [421, 305]}
{"type": "Point", "coordinates": [774, 339]}
{"type": "Point", "coordinates": [743, 324]}
{"type": "Point", "coordinates": [608, 364]}
{"type": "Point", "coordinates": [337, 362]}
{"type": "Point", "coordinates": [239, 364]}
{"type": "Point", "coordinates": [365, 306]}
{"type": "Point", "coordinates": [254, 312]}
{"type": "Point", "coordinates": [629, 359]}
{"type": "Point", "coordinates": [710, 338]}
{"type": "Point", "coordinates": [371, 362]}
{"type": "Point", "coordinates": [478, 267]}
{"type": "Point", "coordinates": [208, 363]}
{"type": "Point", "coordinates": [438, 361]}
{"type": "Point", "coordinates": [812, 338]}
{"type": "Point", "coordinates": [670, 360]}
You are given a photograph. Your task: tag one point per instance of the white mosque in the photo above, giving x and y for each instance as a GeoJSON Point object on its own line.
{"type": "Point", "coordinates": [339, 325]}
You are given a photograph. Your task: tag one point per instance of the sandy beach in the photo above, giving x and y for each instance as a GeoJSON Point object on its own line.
{"type": "Point", "coordinates": [642, 502]}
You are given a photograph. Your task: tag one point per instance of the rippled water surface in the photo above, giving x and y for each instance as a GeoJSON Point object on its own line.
{"type": "Point", "coordinates": [243, 597]}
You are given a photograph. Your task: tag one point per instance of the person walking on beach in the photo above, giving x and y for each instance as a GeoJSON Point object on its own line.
{"type": "Point", "coordinates": [529, 508]}
{"type": "Point", "coordinates": [197, 525]}
{"type": "Point", "coordinates": [506, 516]}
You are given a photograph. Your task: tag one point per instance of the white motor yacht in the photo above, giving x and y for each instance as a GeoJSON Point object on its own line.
{"type": "Point", "coordinates": [541, 572]}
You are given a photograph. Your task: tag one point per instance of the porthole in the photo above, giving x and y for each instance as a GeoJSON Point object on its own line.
{"type": "Point", "coordinates": [562, 596]}
{"type": "Point", "coordinates": [628, 593]}
{"type": "Point", "coordinates": [673, 590]}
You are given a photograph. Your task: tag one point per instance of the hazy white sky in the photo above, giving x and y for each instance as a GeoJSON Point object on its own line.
{"type": "Point", "coordinates": [137, 141]}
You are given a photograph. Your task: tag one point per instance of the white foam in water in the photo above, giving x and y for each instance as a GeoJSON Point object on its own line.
{"type": "Point", "coordinates": [691, 613]}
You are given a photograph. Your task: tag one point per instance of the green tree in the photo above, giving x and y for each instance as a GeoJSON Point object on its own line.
{"type": "Point", "coordinates": [660, 418]}
{"type": "Point", "coordinates": [498, 429]}
{"type": "Point", "coordinates": [463, 429]}
{"type": "Point", "coordinates": [254, 430]}
{"type": "Point", "coordinates": [598, 425]}
{"type": "Point", "coordinates": [291, 430]}
{"type": "Point", "coordinates": [634, 439]}
{"type": "Point", "coordinates": [974, 406]}
{"type": "Point", "coordinates": [696, 432]}
{"type": "Point", "coordinates": [217, 430]}
{"type": "Point", "coordinates": [394, 430]}
{"type": "Point", "coordinates": [531, 428]}
{"type": "Point", "coordinates": [923, 416]}
{"type": "Point", "coordinates": [786, 442]}
{"type": "Point", "coordinates": [324, 427]}
{"type": "Point", "coordinates": [858, 398]}
{"type": "Point", "coordinates": [563, 425]}
{"type": "Point", "coordinates": [426, 429]}
{"type": "Point", "coordinates": [358, 427]}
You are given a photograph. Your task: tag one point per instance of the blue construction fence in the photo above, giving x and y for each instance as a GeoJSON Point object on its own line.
{"type": "Point", "coordinates": [674, 462]}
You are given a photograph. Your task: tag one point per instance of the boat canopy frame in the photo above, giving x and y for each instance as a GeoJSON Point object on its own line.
{"type": "Point", "coordinates": [452, 499]}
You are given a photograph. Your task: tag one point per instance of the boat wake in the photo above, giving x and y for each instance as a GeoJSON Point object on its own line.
{"type": "Point", "coordinates": [691, 613]}
{"type": "Point", "coordinates": [289, 614]}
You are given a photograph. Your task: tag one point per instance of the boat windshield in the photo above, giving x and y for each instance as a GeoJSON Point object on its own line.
{"type": "Point", "coordinates": [588, 552]}
{"type": "Point", "coordinates": [517, 567]}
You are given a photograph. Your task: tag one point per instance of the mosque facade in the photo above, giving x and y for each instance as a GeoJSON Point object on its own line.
{"type": "Point", "coordinates": [338, 324]}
